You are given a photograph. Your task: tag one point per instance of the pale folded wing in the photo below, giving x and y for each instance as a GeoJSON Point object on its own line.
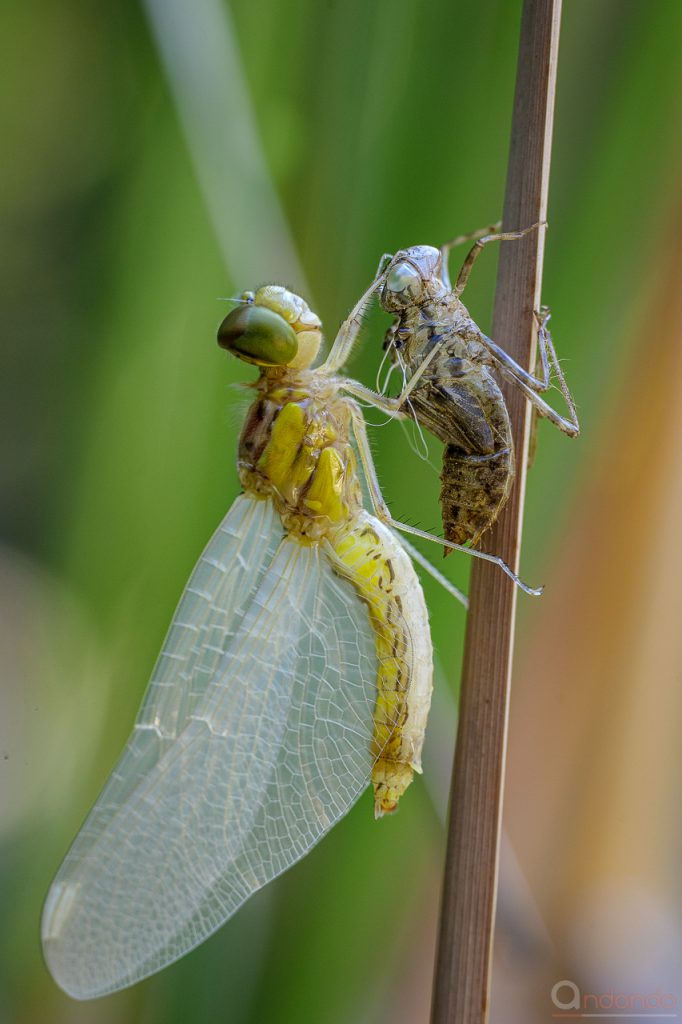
{"type": "Point", "coordinates": [253, 739]}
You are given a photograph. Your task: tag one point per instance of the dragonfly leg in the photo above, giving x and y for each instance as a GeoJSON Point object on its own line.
{"type": "Point", "coordinates": [472, 236]}
{"type": "Point", "coordinates": [477, 249]}
{"type": "Point", "coordinates": [365, 394]}
{"type": "Point", "coordinates": [383, 513]}
{"type": "Point", "coordinates": [350, 328]}
{"type": "Point", "coordinates": [533, 386]}
{"type": "Point", "coordinates": [416, 555]}
{"type": "Point", "coordinates": [394, 406]}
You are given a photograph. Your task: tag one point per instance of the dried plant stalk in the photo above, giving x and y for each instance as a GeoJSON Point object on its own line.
{"type": "Point", "coordinates": [463, 962]}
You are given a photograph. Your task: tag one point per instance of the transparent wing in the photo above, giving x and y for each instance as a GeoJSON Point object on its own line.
{"type": "Point", "coordinates": [210, 613]}
{"type": "Point", "coordinates": [208, 617]}
{"type": "Point", "coordinates": [229, 777]}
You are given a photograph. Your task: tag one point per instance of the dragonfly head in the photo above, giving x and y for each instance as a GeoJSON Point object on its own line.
{"type": "Point", "coordinates": [412, 278]}
{"type": "Point", "coordinates": [272, 327]}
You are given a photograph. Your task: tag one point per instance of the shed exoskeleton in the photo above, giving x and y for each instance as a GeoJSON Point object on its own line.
{"type": "Point", "coordinates": [451, 373]}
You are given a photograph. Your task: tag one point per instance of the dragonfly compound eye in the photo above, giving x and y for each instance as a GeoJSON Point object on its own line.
{"type": "Point", "coordinates": [258, 335]}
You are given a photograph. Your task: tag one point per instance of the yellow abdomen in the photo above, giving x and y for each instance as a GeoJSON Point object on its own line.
{"type": "Point", "coordinates": [382, 572]}
{"type": "Point", "coordinates": [298, 451]}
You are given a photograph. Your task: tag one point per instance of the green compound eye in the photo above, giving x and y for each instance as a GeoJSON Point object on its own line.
{"type": "Point", "coordinates": [401, 277]}
{"type": "Point", "coordinates": [258, 335]}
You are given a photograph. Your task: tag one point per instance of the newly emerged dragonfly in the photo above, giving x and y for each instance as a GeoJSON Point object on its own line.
{"type": "Point", "coordinates": [297, 669]}
{"type": "Point", "coordinates": [449, 369]}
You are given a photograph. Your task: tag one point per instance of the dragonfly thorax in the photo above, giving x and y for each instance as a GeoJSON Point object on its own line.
{"type": "Point", "coordinates": [296, 449]}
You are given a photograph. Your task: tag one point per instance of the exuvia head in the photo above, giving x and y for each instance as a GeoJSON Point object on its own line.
{"type": "Point", "coordinates": [412, 278]}
{"type": "Point", "coordinates": [272, 327]}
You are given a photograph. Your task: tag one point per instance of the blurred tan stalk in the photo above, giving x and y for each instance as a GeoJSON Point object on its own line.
{"type": "Point", "coordinates": [592, 806]}
{"type": "Point", "coordinates": [590, 883]}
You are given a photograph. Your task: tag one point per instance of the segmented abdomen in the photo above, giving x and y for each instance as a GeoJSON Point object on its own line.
{"type": "Point", "coordinates": [474, 490]}
{"type": "Point", "coordinates": [468, 414]}
{"type": "Point", "coordinates": [368, 555]}
{"type": "Point", "coordinates": [301, 456]}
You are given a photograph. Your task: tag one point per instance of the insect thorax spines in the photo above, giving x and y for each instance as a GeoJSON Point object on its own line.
{"type": "Point", "coordinates": [374, 561]}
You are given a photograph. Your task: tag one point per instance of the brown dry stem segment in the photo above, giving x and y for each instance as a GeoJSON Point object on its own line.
{"type": "Point", "coordinates": [464, 952]}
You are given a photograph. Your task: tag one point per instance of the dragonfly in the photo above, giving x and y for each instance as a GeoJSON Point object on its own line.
{"type": "Point", "coordinates": [296, 671]}
{"type": "Point", "coordinates": [450, 372]}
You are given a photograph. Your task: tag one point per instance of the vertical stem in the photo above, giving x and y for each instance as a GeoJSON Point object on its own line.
{"type": "Point", "coordinates": [463, 964]}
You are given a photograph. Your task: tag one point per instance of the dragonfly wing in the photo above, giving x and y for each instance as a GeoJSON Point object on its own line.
{"type": "Point", "coordinates": [206, 620]}
{"type": "Point", "coordinates": [210, 613]}
{"type": "Point", "coordinates": [274, 749]}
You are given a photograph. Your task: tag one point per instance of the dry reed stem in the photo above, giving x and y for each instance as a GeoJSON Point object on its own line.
{"type": "Point", "coordinates": [463, 960]}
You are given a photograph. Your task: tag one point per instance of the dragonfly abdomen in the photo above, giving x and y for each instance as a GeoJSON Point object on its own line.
{"type": "Point", "coordinates": [296, 449]}
{"type": "Point", "coordinates": [474, 489]}
{"type": "Point", "coordinates": [462, 405]}
{"type": "Point", "coordinates": [383, 575]}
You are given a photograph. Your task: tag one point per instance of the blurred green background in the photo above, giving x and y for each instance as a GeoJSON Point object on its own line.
{"type": "Point", "coordinates": [160, 155]}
